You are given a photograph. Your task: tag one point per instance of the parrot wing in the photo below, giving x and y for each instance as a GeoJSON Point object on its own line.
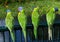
{"type": "Point", "coordinates": [35, 18]}
{"type": "Point", "coordinates": [50, 18]}
{"type": "Point", "coordinates": [9, 24]}
{"type": "Point", "coordinates": [9, 21]}
{"type": "Point", "coordinates": [22, 20]}
{"type": "Point", "coordinates": [35, 21]}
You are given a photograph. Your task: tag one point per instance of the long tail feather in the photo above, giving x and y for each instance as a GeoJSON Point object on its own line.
{"type": "Point", "coordinates": [49, 32]}
{"type": "Point", "coordinates": [12, 35]}
{"type": "Point", "coordinates": [25, 36]}
{"type": "Point", "coordinates": [35, 32]}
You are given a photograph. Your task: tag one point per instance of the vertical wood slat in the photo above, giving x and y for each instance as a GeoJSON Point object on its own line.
{"type": "Point", "coordinates": [6, 34]}
{"type": "Point", "coordinates": [23, 40]}
{"type": "Point", "coordinates": [1, 37]}
{"type": "Point", "coordinates": [28, 36]}
{"type": "Point", "coordinates": [18, 36]}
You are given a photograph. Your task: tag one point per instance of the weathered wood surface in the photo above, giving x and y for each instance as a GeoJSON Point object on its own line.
{"type": "Point", "coordinates": [18, 32]}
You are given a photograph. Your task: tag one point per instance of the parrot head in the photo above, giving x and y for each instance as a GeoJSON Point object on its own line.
{"type": "Point", "coordinates": [36, 9]}
{"type": "Point", "coordinates": [8, 11]}
{"type": "Point", "coordinates": [20, 9]}
{"type": "Point", "coordinates": [54, 10]}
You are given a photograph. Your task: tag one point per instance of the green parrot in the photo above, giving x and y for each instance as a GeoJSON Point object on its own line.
{"type": "Point", "coordinates": [50, 17]}
{"type": "Point", "coordinates": [35, 20]}
{"type": "Point", "coordinates": [9, 21]}
{"type": "Point", "coordinates": [22, 19]}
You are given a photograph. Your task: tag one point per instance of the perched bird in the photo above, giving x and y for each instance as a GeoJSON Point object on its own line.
{"type": "Point", "coordinates": [9, 21]}
{"type": "Point", "coordinates": [50, 17]}
{"type": "Point", "coordinates": [22, 19]}
{"type": "Point", "coordinates": [35, 20]}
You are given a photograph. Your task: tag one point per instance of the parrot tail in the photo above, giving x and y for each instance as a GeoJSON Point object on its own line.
{"type": "Point", "coordinates": [25, 36]}
{"type": "Point", "coordinates": [12, 35]}
{"type": "Point", "coordinates": [49, 33]}
{"type": "Point", "coordinates": [35, 32]}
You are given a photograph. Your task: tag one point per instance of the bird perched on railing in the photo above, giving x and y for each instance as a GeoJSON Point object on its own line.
{"type": "Point", "coordinates": [35, 20]}
{"type": "Point", "coordinates": [22, 19]}
{"type": "Point", "coordinates": [9, 21]}
{"type": "Point", "coordinates": [50, 17]}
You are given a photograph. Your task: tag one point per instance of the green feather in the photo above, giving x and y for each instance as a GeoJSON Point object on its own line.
{"type": "Point", "coordinates": [50, 17]}
{"type": "Point", "coordinates": [35, 20]}
{"type": "Point", "coordinates": [12, 35]}
{"type": "Point", "coordinates": [23, 22]}
{"type": "Point", "coordinates": [9, 21]}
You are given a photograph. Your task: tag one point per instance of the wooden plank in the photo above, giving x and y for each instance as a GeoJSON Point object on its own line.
{"type": "Point", "coordinates": [6, 34]}
{"type": "Point", "coordinates": [1, 37]}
